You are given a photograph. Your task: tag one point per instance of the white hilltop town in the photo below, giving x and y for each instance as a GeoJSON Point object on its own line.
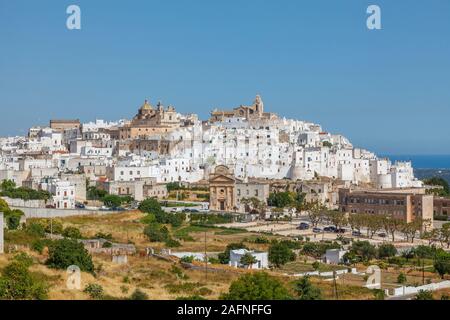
{"type": "Point", "coordinates": [257, 151]}
{"type": "Point", "coordinates": [253, 181]}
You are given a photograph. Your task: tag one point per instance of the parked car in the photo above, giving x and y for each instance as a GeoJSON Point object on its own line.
{"type": "Point", "coordinates": [382, 235]}
{"type": "Point", "coordinates": [50, 206]}
{"type": "Point", "coordinates": [317, 230]}
{"type": "Point", "coordinates": [341, 230]}
{"type": "Point", "coordinates": [329, 229]}
{"type": "Point", "coordinates": [303, 226]}
{"type": "Point", "coordinates": [356, 233]}
{"type": "Point", "coordinates": [80, 205]}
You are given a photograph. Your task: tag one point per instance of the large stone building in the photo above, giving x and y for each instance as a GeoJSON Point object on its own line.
{"type": "Point", "coordinates": [405, 204]}
{"type": "Point", "coordinates": [227, 192]}
{"type": "Point", "coordinates": [139, 189]}
{"type": "Point", "coordinates": [253, 112]}
{"type": "Point", "coordinates": [62, 125]}
{"type": "Point", "coordinates": [222, 184]}
{"type": "Point", "coordinates": [441, 206]}
{"type": "Point", "coordinates": [150, 121]}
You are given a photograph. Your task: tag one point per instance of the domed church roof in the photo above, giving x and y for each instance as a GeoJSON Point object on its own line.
{"type": "Point", "coordinates": [146, 106]}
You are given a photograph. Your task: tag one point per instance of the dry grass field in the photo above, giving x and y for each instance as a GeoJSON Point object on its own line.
{"type": "Point", "coordinates": [168, 280]}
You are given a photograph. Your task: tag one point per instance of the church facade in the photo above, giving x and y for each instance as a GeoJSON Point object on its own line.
{"type": "Point", "coordinates": [253, 112]}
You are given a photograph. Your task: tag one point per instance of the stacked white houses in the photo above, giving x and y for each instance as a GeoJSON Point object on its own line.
{"type": "Point", "coordinates": [162, 146]}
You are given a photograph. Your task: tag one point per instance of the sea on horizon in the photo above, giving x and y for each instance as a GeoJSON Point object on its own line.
{"type": "Point", "coordinates": [423, 161]}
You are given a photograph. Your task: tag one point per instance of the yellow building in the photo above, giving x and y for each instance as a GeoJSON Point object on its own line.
{"type": "Point", "coordinates": [150, 121]}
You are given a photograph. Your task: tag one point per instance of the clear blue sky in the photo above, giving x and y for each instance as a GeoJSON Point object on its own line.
{"type": "Point", "coordinates": [388, 90]}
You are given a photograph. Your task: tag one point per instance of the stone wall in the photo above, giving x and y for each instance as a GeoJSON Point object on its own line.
{"type": "Point", "coordinates": [45, 213]}
{"type": "Point", "coordinates": [24, 203]}
{"type": "Point", "coordinates": [414, 290]}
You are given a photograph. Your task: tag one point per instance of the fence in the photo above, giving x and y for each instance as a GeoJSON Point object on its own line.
{"type": "Point", "coordinates": [414, 290]}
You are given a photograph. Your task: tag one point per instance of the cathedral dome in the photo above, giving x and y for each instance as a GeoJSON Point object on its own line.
{"type": "Point", "coordinates": [146, 106]}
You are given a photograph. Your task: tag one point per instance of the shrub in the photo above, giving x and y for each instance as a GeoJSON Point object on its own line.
{"type": "Point", "coordinates": [35, 229]}
{"type": "Point", "coordinates": [172, 243]}
{"type": "Point", "coordinates": [17, 283]}
{"type": "Point", "coordinates": [424, 295]}
{"type": "Point", "coordinates": [318, 249]}
{"type": "Point", "coordinates": [40, 244]}
{"type": "Point", "coordinates": [101, 235]}
{"type": "Point", "coordinates": [306, 291]}
{"type": "Point", "coordinates": [261, 240]}
{"type": "Point", "coordinates": [187, 259]}
{"type": "Point", "coordinates": [13, 219]}
{"type": "Point", "coordinates": [150, 206]}
{"type": "Point", "coordinates": [107, 244]}
{"type": "Point", "coordinates": [401, 279]}
{"type": "Point", "coordinates": [156, 233]}
{"type": "Point", "coordinates": [191, 298]}
{"type": "Point", "coordinates": [139, 295]}
{"type": "Point", "coordinates": [24, 259]}
{"type": "Point", "coordinates": [64, 253]}
{"type": "Point", "coordinates": [95, 291]}
{"type": "Point", "coordinates": [386, 250]}
{"type": "Point", "coordinates": [72, 233]}
{"type": "Point", "coordinates": [257, 286]}
{"type": "Point", "coordinates": [112, 201]}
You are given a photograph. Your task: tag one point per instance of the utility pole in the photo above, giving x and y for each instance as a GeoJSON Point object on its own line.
{"type": "Point", "coordinates": [206, 262]}
{"type": "Point", "coordinates": [335, 293]}
{"type": "Point", "coordinates": [423, 271]}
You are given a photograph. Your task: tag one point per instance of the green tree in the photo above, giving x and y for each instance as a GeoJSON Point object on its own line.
{"type": "Point", "coordinates": [35, 229]}
{"type": "Point", "coordinates": [66, 252]}
{"type": "Point", "coordinates": [364, 250]}
{"type": "Point", "coordinates": [442, 263]}
{"type": "Point", "coordinates": [156, 233]}
{"type": "Point", "coordinates": [316, 214]}
{"type": "Point", "coordinates": [112, 201]}
{"type": "Point", "coordinates": [401, 279]}
{"type": "Point", "coordinates": [386, 250]}
{"type": "Point", "coordinates": [4, 207]}
{"type": "Point", "coordinates": [248, 260]}
{"type": "Point", "coordinates": [13, 219]}
{"type": "Point", "coordinates": [17, 283]}
{"type": "Point", "coordinates": [257, 286]}
{"type": "Point", "coordinates": [440, 182]}
{"type": "Point", "coordinates": [336, 218]}
{"type": "Point", "coordinates": [8, 185]}
{"type": "Point", "coordinates": [316, 265]}
{"type": "Point", "coordinates": [150, 205]}
{"type": "Point", "coordinates": [281, 199]}
{"type": "Point", "coordinates": [280, 254]}
{"type": "Point", "coordinates": [306, 290]}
